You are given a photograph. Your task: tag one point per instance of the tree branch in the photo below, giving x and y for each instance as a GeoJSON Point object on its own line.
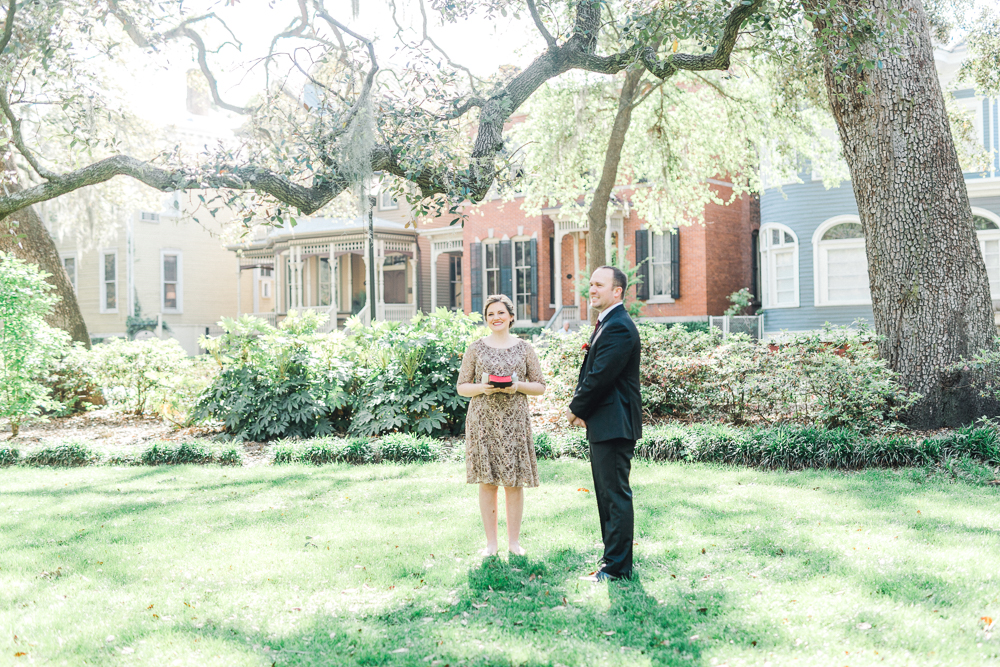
{"type": "Point", "coordinates": [182, 30]}
{"type": "Point", "coordinates": [549, 39]}
{"type": "Point", "coordinates": [370, 78]}
{"type": "Point", "coordinates": [718, 59]}
{"type": "Point", "coordinates": [15, 130]}
{"type": "Point", "coordinates": [8, 25]}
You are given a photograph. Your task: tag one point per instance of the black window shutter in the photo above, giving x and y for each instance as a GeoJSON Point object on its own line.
{"type": "Point", "coordinates": [675, 264]}
{"type": "Point", "coordinates": [534, 279]}
{"type": "Point", "coordinates": [641, 255]}
{"type": "Point", "coordinates": [475, 268]}
{"type": "Point", "coordinates": [506, 272]}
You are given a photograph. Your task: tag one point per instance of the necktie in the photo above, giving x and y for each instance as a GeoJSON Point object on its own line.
{"type": "Point", "coordinates": [593, 334]}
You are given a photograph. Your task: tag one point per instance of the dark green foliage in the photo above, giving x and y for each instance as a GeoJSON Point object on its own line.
{"type": "Point", "coordinates": [68, 454]}
{"type": "Point", "coordinates": [543, 446]}
{"type": "Point", "coordinates": [169, 453]}
{"type": "Point", "coordinates": [573, 444]}
{"type": "Point", "coordinates": [393, 448]}
{"type": "Point", "coordinates": [9, 456]}
{"type": "Point", "coordinates": [792, 447]}
{"type": "Point", "coordinates": [278, 383]}
{"type": "Point", "coordinates": [230, 456]}
{"type": "Point", "coordinates": [406, 375]}
{"type": "Point", "coordinates": [406, 448]}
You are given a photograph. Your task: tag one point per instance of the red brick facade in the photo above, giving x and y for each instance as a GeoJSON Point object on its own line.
{"type": "Point", "coordinates": [715, 258]}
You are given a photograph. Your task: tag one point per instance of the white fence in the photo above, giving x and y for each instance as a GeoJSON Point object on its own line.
{"type": "Point", "coordinates": [751, 325]}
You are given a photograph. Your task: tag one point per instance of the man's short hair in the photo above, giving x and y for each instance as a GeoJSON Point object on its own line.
{"type": "Point", "coordinates": [618, 278]}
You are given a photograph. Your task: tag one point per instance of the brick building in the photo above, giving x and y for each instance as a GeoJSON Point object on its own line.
{"type": "Point", "coordinates": [427, 264]}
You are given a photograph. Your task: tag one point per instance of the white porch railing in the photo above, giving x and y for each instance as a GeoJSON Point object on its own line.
{"type": "Point", "coordinates": [563, 314]}
{"type": "Point", "coordinates": [396, 312]}
{"type": "Point", "coordinates": [751, 325]}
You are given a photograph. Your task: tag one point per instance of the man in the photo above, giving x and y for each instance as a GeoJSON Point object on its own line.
{"type": "Point", "coordinates": [607, 402]}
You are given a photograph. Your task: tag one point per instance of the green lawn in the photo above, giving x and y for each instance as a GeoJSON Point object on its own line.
{"type": "Point", "coordinates": [294, 565]}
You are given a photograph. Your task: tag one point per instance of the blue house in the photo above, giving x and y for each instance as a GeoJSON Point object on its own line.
{"type": "Point", "coordinates": [812, 263]}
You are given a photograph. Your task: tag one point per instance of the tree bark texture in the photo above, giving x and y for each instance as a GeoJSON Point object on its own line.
{"type": "Point", "coordinates": [597, 216]}
{"type": "Point", "coordinates": [29, 240]}
{"type": "Point", "coordinates": [929, 287]}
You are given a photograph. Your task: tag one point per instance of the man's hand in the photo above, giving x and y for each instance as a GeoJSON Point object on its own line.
{"type": "Point", "coordinates": [574, 420]}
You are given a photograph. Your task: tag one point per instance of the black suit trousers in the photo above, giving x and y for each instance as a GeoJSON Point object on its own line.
{"type": "Point", "coordinates": [611, 463]}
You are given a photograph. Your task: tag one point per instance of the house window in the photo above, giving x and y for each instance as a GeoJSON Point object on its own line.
{"type": "Point", "coordinates": [492, 268]}
{"type": "Point", "coordinates": [170, 273]}
{"type": "Point", "coordinates": [522, 280]}
{"type": "Point", "coordinates": [149, 216]}
{"type": "Point", "coordinates": [659, 265]}
{"type": "Point", "coordinates": [779, 261]}
{"type": "Point", "coordinates": [386, 201]}
{"type": "Point", "coordinates": [613, 250]}
{"type": "Point", "coordinates": [69, 265]}
{"type": "Point", "coordinates": [455, 281]}
{"type": "Point", "coordinates": [109, 281]}
{"type": "Point", "coordinates": [841, 263]}
{"type": "Point", "coordinates": [987, 226]}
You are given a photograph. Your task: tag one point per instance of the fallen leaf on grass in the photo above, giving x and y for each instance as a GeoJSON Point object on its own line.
{"type": "Point", "coordinates": [20, 654]}
{"type": "Point", "coordinates": [864, 626]}
{"type": "Point", "coordinates": [987, 622]}
{"type": "Point", "coordinates": [479, 606]}
{"type": "Point", "coordinates": [584, 490]}
{"type": "Point", "coordinates": [400, 650]}
{"type": "Point", "coordinates": [608, 633]}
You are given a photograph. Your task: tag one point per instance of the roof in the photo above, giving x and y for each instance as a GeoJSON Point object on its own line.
{"type": "Point", "coordinates": [320, 227]}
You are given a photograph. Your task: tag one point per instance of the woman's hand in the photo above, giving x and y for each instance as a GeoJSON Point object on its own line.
{"type": "Point", "coordinates": [512, 389]}
{"type": "Point", "coordinates": [488, 389]}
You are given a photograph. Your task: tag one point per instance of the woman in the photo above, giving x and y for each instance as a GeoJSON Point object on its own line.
{"type": "Point", "coordinates": [499, 450]}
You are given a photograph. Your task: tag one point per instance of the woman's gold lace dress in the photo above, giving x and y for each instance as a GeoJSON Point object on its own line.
{"type": "Point", "coordinates": [499, 448]}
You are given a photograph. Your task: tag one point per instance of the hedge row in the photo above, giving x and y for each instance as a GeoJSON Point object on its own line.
{"type": "Point", "coordinates": [780, 447]}
{"type": "Point", "coordinates": [78, 453]}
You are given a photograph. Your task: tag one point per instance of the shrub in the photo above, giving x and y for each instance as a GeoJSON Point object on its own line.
{"type": "Point", "coordinates": [74, 387]}
{"type": "Point", "coordinates": [67, 454]}
{"type": "Point", "coordinates": [28, 346]}
{"type": "Point", "coordinates": [573, 444]}
{"type": "Point", "coordinates": [395, 448]}
{"type": "Point", "coordinates": [406, 374]}
{"type": "Point", "coordinates": [831, 378]}
{"type": "Point", "coordinates": [195, 451]}
{"type": "Point", "coordinates": [543, 446]}
{"type": "Point", "coordinates": [278, 383]}
{"type": "Point", "coordinates": [132, 373]}
{"type": "Point", "coordinates": [9, 456]}
{"type": "Point", "coordinates": [407, 448]}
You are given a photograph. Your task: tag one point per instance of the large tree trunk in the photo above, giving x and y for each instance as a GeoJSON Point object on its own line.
{"type": "Point", "coordinates": [23, 235]}
{"type": "Point", "coordinates": [597, 216]}
{"type": "Point", "coordinates": [929, 286]}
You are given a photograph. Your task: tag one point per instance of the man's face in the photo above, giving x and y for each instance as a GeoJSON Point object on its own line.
{"type": "Point", "coordinates": [603, 293]}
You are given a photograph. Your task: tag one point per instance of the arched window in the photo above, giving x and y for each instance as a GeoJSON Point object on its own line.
{"type": "Point", "coordinates": [987, 226]}
{"type": "Point", "coordinates": [840, 272]}
{"type": "Point", "coordinates": [779, 262]}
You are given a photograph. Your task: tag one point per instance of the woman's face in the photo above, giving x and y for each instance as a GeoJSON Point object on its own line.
{"type": "Point", "coordinates": [497, 317]}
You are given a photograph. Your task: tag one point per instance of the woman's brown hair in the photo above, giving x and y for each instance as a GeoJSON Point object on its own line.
{"type": "Point", "coordinates": [507, 303]}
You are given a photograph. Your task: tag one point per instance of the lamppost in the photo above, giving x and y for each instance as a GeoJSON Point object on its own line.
{"type": "Point", "coordinates": [371, 258]}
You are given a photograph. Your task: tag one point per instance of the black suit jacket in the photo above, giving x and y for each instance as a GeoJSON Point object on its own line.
{"type": "Point", "coordinates": [607, 394]}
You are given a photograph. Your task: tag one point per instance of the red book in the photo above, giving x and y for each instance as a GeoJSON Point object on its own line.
{"type": "Point", "coordinates": [501, 381]}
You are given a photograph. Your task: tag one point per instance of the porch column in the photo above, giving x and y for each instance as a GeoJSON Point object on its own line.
{"type": "Point", "coordinates": [239, 280]}
{"type": "Point", "coordinates": [557, 264]}
{"type": "Point", "coordinates": [369, 290]}
{"type": "Point", "coordinates": [576, 272]}
{"type": "Point", "coordinates": [607, 238]}
{"type": "Point", "coordinates": [334, 294]}
{"type": "Point", "coordinates": [434, 277]}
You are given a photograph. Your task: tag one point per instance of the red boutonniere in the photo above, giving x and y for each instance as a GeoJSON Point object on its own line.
{"type": "Point", "coordinates": [585, 347]}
